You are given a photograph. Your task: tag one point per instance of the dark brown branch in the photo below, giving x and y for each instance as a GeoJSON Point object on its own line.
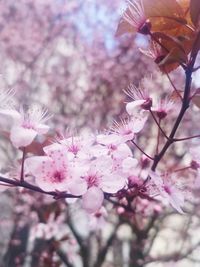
{"type": "Point", "coordinates": [184, 107]}
{"type": "Point", "coordinates": [142, 150]}
{"type": "Point", "coordinates": [23, 184]}
{"type": "Point", "coordinates": [64, 258]}
{"type": "Point", "coordinates": [103, 252]}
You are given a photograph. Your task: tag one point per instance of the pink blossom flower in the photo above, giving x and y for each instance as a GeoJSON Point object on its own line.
{"type": "Point", "coordinates": [141, 99]}
{"type": "Point", "coordinates": [168, 191]}
{"type": "Point", "coordinates": [110, 145]}
{"type": "Point", "coordinates": [163, 107]}
{"type": "Point", "coordinates": [154, 52]}
{"type": "Point", "coordinates": [79, 146]}
{"type": "Point", "coordinates": [129, 165]}
{"type": "Point", "coordinates": [26, 125]}
{"type": "Point", "coordinates": [101, 178]}
{"type": "Point", "coordinates": [134, 19]}
{"type": "Point", "coordinates": [56, 173]}
{"type": "Point", "coordinates": [195, 155]}
{"type": "Point", "coordinates": [75, 147]}
{"type": "Point", "coordinates": [124, 129]}
{"type": "Point", "coordinates": [98, 219]}
{"type": "Point", "coordinates": [53, 228]}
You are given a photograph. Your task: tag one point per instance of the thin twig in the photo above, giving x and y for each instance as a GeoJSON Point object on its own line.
{"type": "Point", "coordinates": [186, 138]}
{"type": "Point", "coordinates": [22, 164]}
{"type": "Point", "coordinates": [148, 156]}
{"type": "Point", "coordinates": [154, 118]}
{"type": "Point", "coordinates": [175, 89]}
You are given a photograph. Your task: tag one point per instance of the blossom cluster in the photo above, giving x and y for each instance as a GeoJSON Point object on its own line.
{"type": "Point", "coordinates": [95, 167]}
{"type": "Point", "coordinates": [92, 167]}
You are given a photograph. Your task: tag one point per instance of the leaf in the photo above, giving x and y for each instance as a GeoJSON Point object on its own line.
{"type": "Point", "coordinates": [185, 5]}
{"type": "Point", "coordinates": [168, 41]}
{"type": "Point", "coordinates": [176, 55]}
{"type": "Point", "coordinates": [196, 46]}
{"type": "Point", "coordinates": [164, 14]}
{"type": "Point", "coordinates": [195, 11]}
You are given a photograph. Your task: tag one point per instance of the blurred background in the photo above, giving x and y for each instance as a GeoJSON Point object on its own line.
{"type": "Point", "coordinates": [63, 54]}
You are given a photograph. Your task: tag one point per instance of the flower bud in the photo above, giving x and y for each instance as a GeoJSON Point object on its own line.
{"type": "Point", "coordinates": [194, 165]}
{"type": "Point", "coordinates": [145, 28]}
{"type": "Point", "coordinates": [147, 104]}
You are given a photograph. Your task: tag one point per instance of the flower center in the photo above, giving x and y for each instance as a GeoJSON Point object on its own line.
{"type": "Point", "coordinates": [167, 189]}
{"type": "Point", "coordinates": [27, 124]}
{"type": "Point", "coordinates": [74, 149]}
{"type": "Point", "coordinates": [58, 177]}
{"type": "Point", "coordinates": [92, 180]}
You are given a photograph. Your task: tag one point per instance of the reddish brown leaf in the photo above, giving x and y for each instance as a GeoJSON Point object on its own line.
{"type": "Point", "coordinates": [195, 11]}
{"type": "Point", "coordinates": [164, 14]}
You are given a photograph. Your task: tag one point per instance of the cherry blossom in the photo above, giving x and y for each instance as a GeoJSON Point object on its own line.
{"type": "Point", "coordinates": [111, 144]}
{"type": "Point", "coordinates": [26, 124]}
{"type": "Point", "coordinates": [168, 191]}
{"type": "Point", "coordinates": [134, 19]}
{"type": "Point", "coordinates": [98, 219]}
{"type": "Point", "coordinates": [154, 52]}
{"type": "Point", "coordinates": [55, 173]}
{"type": "Point", "coordinates": [162, 107]}
{"type": "Point", "coordinates": [141, 99]}
{"type": "Point", "coordinates": [101, 177]}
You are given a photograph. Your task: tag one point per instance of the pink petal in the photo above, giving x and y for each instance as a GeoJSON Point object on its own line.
{"type": "Point", "coordinates": [112, 183]}
{"type": "Point", "coordinates": [78, 187]}
{"type": "Point", "coordinates": [42, 128]}
{"type": "Point", "coordinates": [108, 139]}
{"type": "Point", "coordinates": [138, 121]}
{"type": "Point", "coordinates": [13, 114]}
{"type": "Point", "coordinates": [129, 164]}
{"type": "Point", "coordinates": [177, 200]}
{"type": "Point", "coordinates": [22, 137]}
{"type": "Point", "coordinates": [34, 164]}
{"type": "Point", "coordinates": [123, 151]}
{"type": "Point", "coordinates": [92, 200]}
{"type": "Point", "coordinates": [134, 107]}
{"type": "Point", "coordinates": [45, 184]}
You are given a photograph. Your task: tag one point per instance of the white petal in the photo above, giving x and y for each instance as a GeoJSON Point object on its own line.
{"type": "Point", "coordinates": [139, 121]}
{"type": "Point", "coordinates": [34, 164]}
{"type": "Point", "coordinates": [78, 187]}
{"type": "Point", "coordinates": [112, 183]}
{"type": "Point", "coordinates": [108, 139]}
{"type": "Point", "coordinates": [22, 137]}
{"type": "Point", "coordinates": [93, 199]}
{"type": "Point", "coordinates": [129, 164]}
{"type": "Point", "coordinates": [176, 199]}
{"type": "Point", "coordinates": [13, 114]}
{"type": "Point", "coordinates": [42, 128]}
{"type": "Point", "coordinates": [123, 151]}
{"type": "Point", "coordinates": [134, 107]}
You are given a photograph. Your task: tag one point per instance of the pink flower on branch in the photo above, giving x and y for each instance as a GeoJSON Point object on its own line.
{"type": "Point", "coordinates": [134, 19]}
{"type": "Point", "coordinates": [55, 175]}
{"type": "Point", "coordinates": [168, 191]}
{"type": "Point", "coordinates": [101, 177]}
{"type": "Point", "coordinates": [26, 124]}
{"type": "Point", "coordinates": [162, 107]}
{"type": "Point", "coordinates": [141, 99]}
